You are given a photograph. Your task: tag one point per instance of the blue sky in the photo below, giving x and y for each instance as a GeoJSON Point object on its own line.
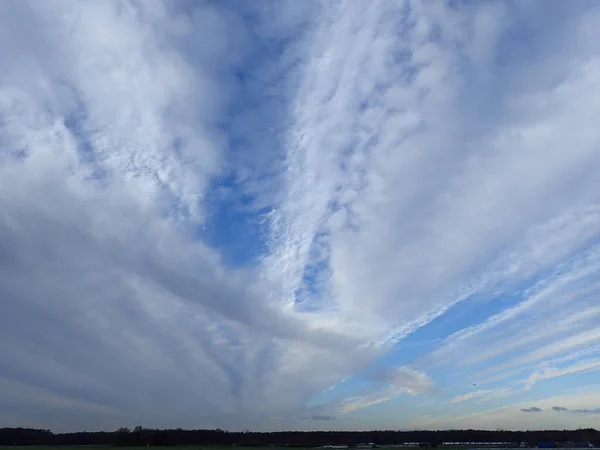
{"type": "Point", "coordinates": [234, 214]}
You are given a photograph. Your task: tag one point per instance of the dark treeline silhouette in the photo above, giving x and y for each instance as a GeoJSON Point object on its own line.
{"type": "Point", "coordinates": [144, 437]}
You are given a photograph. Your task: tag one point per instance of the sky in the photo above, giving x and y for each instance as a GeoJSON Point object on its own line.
{"type": "Point", "coordinates": [299, 215]}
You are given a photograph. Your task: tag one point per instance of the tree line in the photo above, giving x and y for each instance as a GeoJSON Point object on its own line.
{"type": "Point", "coordinates": [140, 436]}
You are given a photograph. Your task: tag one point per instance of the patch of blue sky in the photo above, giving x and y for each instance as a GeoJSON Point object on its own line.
{"type": "Point", "coordinates": [459, 379]}
{"type": "Point", "coordinates": [462, 315]}
{"type": "Point", "coordinates": [421, 342]}
{"type": "Point", "coordinates": [519, 389]}
{"type": "Point", "coordinates": [468, 313]}
{"type": "Point", "coordinates": [490, 372]}
{"type": "Point", "coordinates": [234, 227]}
{"type": "Point", "coordinates": [239, 201]}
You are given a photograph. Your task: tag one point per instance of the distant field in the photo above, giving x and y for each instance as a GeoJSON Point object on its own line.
{"type": "Point", "coordinates": [110, 447]}
{"type": "Point", "coordinates": [179, 447]}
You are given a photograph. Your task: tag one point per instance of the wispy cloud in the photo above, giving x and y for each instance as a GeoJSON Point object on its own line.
{"type": "Point", "coordinates": [482, 395]}
{"type": "Point", "coordinates": [391, 384]}
{"type": "Point", "coordinates": [576, 411]}
{"type": "Point", "coordinates": [322, 417]}
{"type": "Point", "coordinates": [533, 409]}
{"type": "Point", "coordinates": [587, 411]}
{"type": "Point", "coordinates": [548, 373]}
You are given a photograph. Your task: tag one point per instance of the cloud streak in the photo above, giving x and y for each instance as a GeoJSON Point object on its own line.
{"type": "Point", "coordinates": [576, 411]}
{"type": "Point", "coordinates": [532, 409]}
{"type": "Point", "coordinates": [390, 384]}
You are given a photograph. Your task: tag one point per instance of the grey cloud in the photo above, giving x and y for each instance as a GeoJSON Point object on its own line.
{"type": "Point", "coordinates": [576, 411]}
{"type": "Point", "coordinates": [586, 411]}
{"type": "Point", "coordinates": [533, 409]}
{"type": "Point", "coordinates": [322, 417]}
{"type": "Point", "coordinates": [149, 334]}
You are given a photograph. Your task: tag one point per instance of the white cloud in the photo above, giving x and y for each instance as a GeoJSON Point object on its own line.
{"type": "Point", "coordinates": [367, 195]}
{"type": "Point", "coordinates": [482, 394]}
{"type": "Point", "coordinates": [398, 158]}
{"type": "Point", "coordinates": [396, 381]}
{"type": "Point", "coordinates": [412, 381]}
{"type": "Point", "coordinates": [547, 373]}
